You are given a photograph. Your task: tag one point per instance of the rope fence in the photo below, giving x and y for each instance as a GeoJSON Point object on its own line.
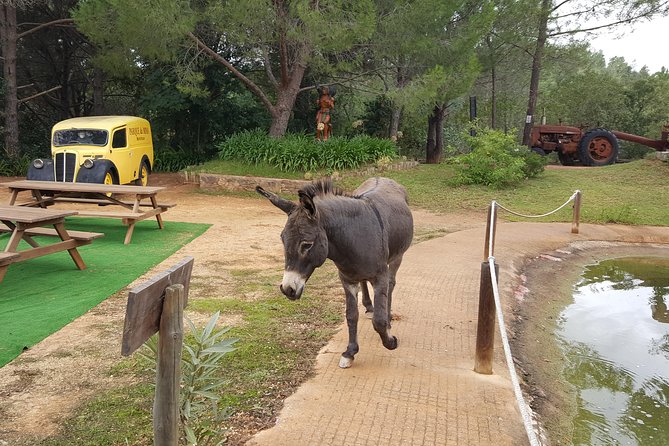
{"type": "Point", "coordinates": [489, 301]}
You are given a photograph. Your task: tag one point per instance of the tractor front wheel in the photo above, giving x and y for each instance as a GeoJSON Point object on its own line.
{"type": "Point", "coordinates": [599, 147]}
{"type": "Point", "coordinates": [566, 159]}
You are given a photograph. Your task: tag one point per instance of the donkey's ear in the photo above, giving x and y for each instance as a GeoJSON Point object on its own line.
{"type": "Point", "coordinates": [286, 206]}
{"type": "Point", "coordinates": [308, 203]}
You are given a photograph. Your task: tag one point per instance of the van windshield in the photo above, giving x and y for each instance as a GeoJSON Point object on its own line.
{"type": "Point", "coordinates": [89, 137]}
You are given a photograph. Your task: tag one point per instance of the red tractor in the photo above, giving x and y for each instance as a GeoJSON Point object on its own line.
{"type": "Point", "coordinates": [596, 147]}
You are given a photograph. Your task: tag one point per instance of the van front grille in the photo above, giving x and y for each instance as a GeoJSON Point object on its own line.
{"type": "Point", "coordinates": [65, 165]}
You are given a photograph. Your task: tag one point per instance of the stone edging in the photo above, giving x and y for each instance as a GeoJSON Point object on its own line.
{"type": "Point", "coordinates": [215, 182]}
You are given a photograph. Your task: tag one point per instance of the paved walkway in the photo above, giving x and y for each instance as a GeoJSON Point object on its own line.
{"type": "Point", "coordinates": [425, 392]}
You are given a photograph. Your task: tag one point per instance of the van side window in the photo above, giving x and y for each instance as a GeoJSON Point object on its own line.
{"type": "Point", "coordinates": [119, 139]}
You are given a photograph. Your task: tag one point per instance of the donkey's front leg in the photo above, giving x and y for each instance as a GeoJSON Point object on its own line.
{"type": "Point", "coordinates": [381, 318]}
{"type": "Point", "coordinates": [351, 290]}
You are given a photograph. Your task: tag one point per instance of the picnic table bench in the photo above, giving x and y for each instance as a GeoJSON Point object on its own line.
{"type": "Point", "coordinates": [24, 222]}
{"type": "Point", "coordinates": [144, 203]}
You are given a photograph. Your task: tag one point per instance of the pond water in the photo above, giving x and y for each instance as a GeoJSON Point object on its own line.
{"type": "Point", "coordinates": [615, 337]}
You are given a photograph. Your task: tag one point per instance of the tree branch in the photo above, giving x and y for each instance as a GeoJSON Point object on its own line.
{"type": "Point", "coordinates": [20, 101]}
{"type": "Point", "coordinates": [253, 88]}
{"type": "Point", "coordinates": [268, 68]}
{"type": "Point", "coordinates": [44, 25]}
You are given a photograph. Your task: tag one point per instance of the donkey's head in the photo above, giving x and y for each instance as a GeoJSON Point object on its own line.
{"type": "Point", "coordinates": [305, 243]}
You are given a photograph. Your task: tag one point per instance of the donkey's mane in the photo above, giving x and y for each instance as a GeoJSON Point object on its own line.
{"type": "Point", "coordinates": [322, 188]}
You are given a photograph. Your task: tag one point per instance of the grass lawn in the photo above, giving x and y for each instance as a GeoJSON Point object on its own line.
{"type": "Point", "coordinates": [635, 193]}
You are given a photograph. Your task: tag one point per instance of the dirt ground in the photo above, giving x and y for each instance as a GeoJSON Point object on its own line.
{"type": "Point", "coordinates": [48, 381]}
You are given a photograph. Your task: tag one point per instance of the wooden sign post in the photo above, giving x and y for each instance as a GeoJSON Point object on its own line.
{"type": "Point", "coordinates": [156, 306]}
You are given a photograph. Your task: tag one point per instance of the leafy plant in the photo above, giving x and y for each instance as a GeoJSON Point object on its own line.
{"type": "Point", "coordinates": [15, 167]}
{"type": "Point", "coordinates": [496, 160]}
{"type": "Point", "coordinates": [201, 359]}
{"type": "Point", "coordinates": [300, 153]}
{"type": "Point", "coordinates": [174, 160]}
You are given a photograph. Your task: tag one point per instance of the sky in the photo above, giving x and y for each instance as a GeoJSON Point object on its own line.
{"type": "Point", "coordinates": [646, 43]}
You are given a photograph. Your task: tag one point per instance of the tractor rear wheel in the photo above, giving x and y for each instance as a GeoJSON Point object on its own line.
{"type": "Point", "coordinates": [599, 147]}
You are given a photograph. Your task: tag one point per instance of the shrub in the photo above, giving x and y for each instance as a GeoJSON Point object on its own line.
{"type": "Point", "coordinates": [173, 160]}
{"type": "Point", "coordinates": [496, 160]}
{"type": "Point", "coordinates": [15, 167]}
{"type": "Point", "coordinates": [300, 153]}
{"type": "Point", "coordinates": [200, 380]}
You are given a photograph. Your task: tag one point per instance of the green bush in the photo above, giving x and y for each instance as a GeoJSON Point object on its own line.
{"type": "Point", "coordinates": [15, 167]}
{"type": "Point", "coordinates": [497, 160]}
{"type": "Point", "coordinates": [173, 160]}
{"type": "Point", "coordinates": [300, 153]}
{"type": "Point", "coordinates": [201, 380]}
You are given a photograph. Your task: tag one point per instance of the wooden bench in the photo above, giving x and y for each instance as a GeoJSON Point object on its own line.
{"type": "Point", "coordinates": [8, 257]}
{"type": "Point", "coordinates": [46, 193]}
{"type": "Point", "coordinates": [77, 235]}
{"type": "Point", "coordinates": [97, 201]}
{"type": "Point", "coordinates": [25, 222]}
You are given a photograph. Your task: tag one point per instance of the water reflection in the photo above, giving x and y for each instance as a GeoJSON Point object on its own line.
{"type": "Point", "coordinates": [616, 343]}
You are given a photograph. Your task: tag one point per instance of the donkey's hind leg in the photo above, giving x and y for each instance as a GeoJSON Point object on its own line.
{"type": "Point", "coordinates": [366, 300]}
{"type": "Point", "coordinates": [380, 321]}
{"type": "Point", "coordinates": [392, 270]}
{"type": "Point", "coordinates": [351, 291]}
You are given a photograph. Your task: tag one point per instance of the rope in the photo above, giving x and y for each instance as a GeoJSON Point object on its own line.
{"type": "Point", "coordinates": [522, 405]}
{"type": "Point", "coordinates": [524, 408]}
{"type": "Point", "coordinates": [537, 216]}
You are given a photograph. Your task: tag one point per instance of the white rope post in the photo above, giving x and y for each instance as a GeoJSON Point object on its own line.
{"type": "Point", "coordinates": [577, 212]}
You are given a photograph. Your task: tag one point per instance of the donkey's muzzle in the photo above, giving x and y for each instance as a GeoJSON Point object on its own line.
{"type": "Point", "coordinates": [292, 285]}
{"type": "Point", "coordinates": [290, 292]}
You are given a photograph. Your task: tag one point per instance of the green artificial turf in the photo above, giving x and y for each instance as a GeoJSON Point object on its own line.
{"type": "Point", "coordinates": [41, 295]}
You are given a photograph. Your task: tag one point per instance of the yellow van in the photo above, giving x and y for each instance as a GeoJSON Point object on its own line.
{"type": "Point", "coordinates": [98, 149]}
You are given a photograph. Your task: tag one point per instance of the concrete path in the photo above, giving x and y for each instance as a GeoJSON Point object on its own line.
{"type": "Point", "coordinates": [425, 392]}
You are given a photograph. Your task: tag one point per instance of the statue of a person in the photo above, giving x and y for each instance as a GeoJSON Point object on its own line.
{"type": "Point", "coordinates": [323, 121]}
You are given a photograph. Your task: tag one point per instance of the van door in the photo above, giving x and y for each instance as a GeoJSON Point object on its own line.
{"type": "Point", "coordinates": [122, 155]}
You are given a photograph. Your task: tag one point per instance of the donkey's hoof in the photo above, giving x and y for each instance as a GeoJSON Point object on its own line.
{"type": "Point", "coordinates": [369, 314]}
{"type": "Point", "coordinates": [345, 362]}
{"type": "Point", "coordinates": [392, 344]}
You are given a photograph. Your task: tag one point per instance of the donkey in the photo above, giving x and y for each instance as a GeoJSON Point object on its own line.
{"type": "Point", "coordinates": [365, 234]}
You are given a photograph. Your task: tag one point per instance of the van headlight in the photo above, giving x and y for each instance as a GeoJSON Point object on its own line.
{"type": "Point", "coordinates": [38, 163]}
{"type": "Point", "coordinates": [88, 163]}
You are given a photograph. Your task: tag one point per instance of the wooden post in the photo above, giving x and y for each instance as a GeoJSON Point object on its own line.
{"type": "Point", "coordinates": [491, 222]}
{"type": "Point", "coordinates": [168, 374]}
{"type": "Point", "coordinates": [485, 329]}
{"type": "Point", "coordinates": [577, 213]}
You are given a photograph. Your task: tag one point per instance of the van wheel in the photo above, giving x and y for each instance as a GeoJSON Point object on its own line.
{"type": "Point", "coordinates": [143, 177]}
{"type": "Point", "coordinates": [110, 178]}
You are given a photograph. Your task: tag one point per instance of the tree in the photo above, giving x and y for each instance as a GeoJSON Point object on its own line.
{"type": "Point", "coordinates": [449, 66]}
{"type": "Point", "coordinates": [266, 45]}
{"type": "Point", "coordinates": [555, 19]}
{"type": "Point", "coordinates": [9, 36]}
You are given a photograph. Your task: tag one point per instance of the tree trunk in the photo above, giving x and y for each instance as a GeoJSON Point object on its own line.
{"type": "Point", "coordinates": [493, 85]}
{"type": "Point", "coordinates": [435, 143]}
{"type": "Point", "coordinates": [395, 115]}
{"type": "Point", "coordinates": [396, 111]}
{"type": "Point", "coordinates": [536, 70]}
{"type": "Point", "coordinates": [98, 92]}
{"type": "Point", "coordinates": [8, 35]}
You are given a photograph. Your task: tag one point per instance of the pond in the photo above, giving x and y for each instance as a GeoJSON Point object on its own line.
{"type": "Point", "coordinates": [615, 338]}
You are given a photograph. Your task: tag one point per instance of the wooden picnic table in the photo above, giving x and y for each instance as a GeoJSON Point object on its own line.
{"type": "Point", "coordinates": [24, 222]}
{"type": "Point", "coordinates": [142, 205]}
